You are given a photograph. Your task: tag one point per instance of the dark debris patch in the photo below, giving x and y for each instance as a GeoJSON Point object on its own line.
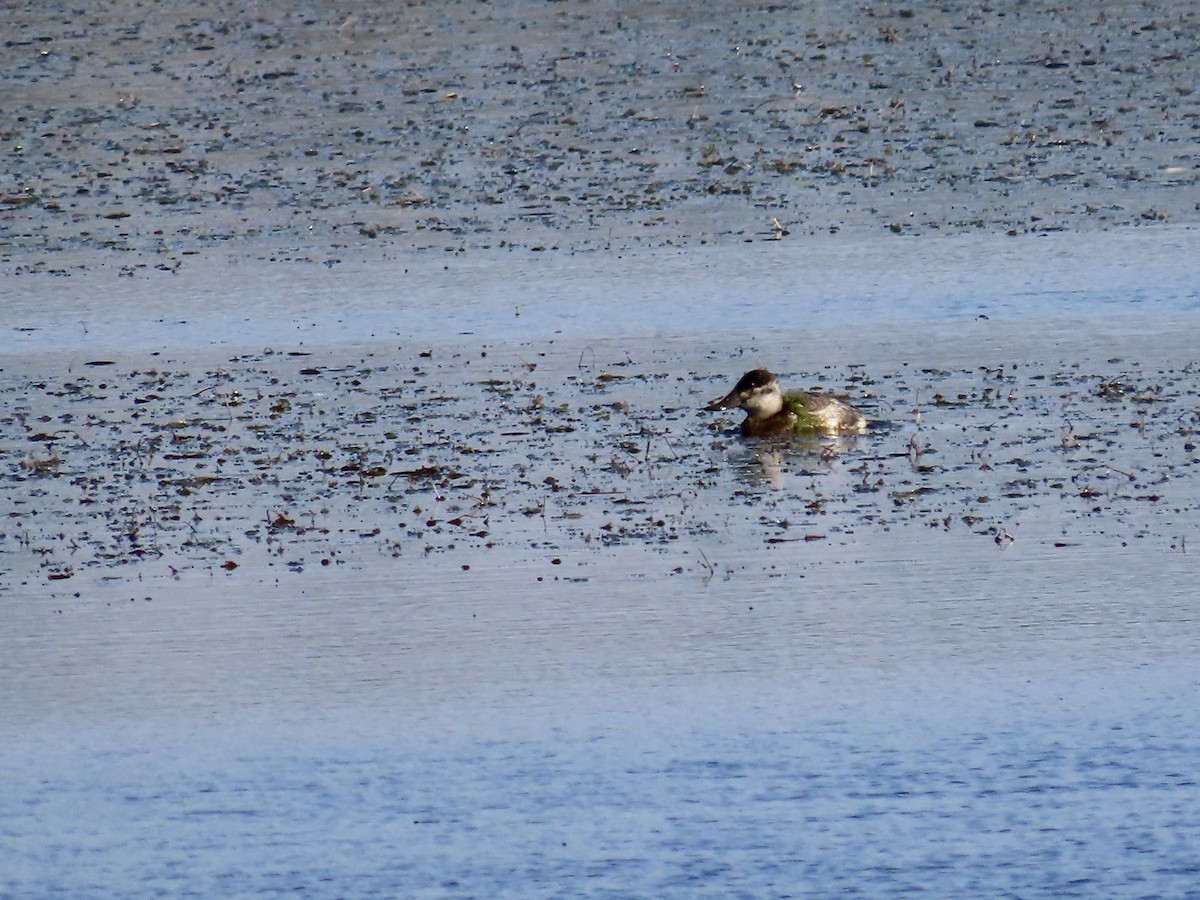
{"type": "Point", "coordinates": [820, 124]}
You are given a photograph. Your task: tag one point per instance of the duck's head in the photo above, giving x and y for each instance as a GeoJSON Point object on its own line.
{"type": "Point", "coordinates": [757, 392]}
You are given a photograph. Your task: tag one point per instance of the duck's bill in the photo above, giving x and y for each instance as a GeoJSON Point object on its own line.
{"type": "Point", "coordinates": [729, 401]}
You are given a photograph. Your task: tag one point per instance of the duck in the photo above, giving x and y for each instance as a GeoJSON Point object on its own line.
{"type": "Point", "coordinates": [770, 412]}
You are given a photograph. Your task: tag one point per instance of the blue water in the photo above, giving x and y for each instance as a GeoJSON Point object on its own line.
{"type": "Point", "coordinates": [900, 710]}
{"type": "Point", "coordinates": [999, 725]}
{"type": "Point", "coordinates": [740, 293]}
{"type": "Point", "coordinates": [1081, 786]}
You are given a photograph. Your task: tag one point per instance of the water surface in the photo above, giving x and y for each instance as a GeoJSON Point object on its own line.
{"type": "Point", "coordinates": [507, 615]}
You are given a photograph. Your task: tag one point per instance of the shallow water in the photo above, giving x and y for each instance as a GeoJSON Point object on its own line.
{"type": "Point", "coordinates": [358, 531]}
{"type": "Point", "coordinates": [303, 134]}
{"type": "Point", "coordinates": [508, 616]}
{"type": "Point", "coordinates": [806, 292]}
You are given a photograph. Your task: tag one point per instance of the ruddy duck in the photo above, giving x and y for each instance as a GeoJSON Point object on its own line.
{"type": "Point", "coordinates": [769, 411]}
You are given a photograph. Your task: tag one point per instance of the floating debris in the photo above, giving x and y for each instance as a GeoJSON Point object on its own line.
{"type": "Point", "coordinates": [253, 467]}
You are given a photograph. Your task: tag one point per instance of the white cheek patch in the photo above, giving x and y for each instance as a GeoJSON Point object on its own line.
{"type": "Point", "coordinates": [762, 404]}
{"type": "Point", "coordinates": [753, 403]}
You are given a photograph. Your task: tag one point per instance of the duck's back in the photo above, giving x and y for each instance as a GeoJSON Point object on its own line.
{"type": "Point", "coordinates": [820, 412]}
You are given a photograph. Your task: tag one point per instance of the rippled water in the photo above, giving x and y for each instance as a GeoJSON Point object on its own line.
{"type": "Point", "coordinates": [685, 667]}
{"type": "Point", "coordinates": [997, 786]}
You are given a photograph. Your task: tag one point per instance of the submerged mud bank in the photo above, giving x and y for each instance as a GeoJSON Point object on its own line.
{"type": "Point", "coordinates": [306, 134]}
{"type": "Point", "coordinates": [530, 462]}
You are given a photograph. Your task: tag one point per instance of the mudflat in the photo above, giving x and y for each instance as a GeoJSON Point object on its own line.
{"type": "Point", "coordinates": [317, 133]}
